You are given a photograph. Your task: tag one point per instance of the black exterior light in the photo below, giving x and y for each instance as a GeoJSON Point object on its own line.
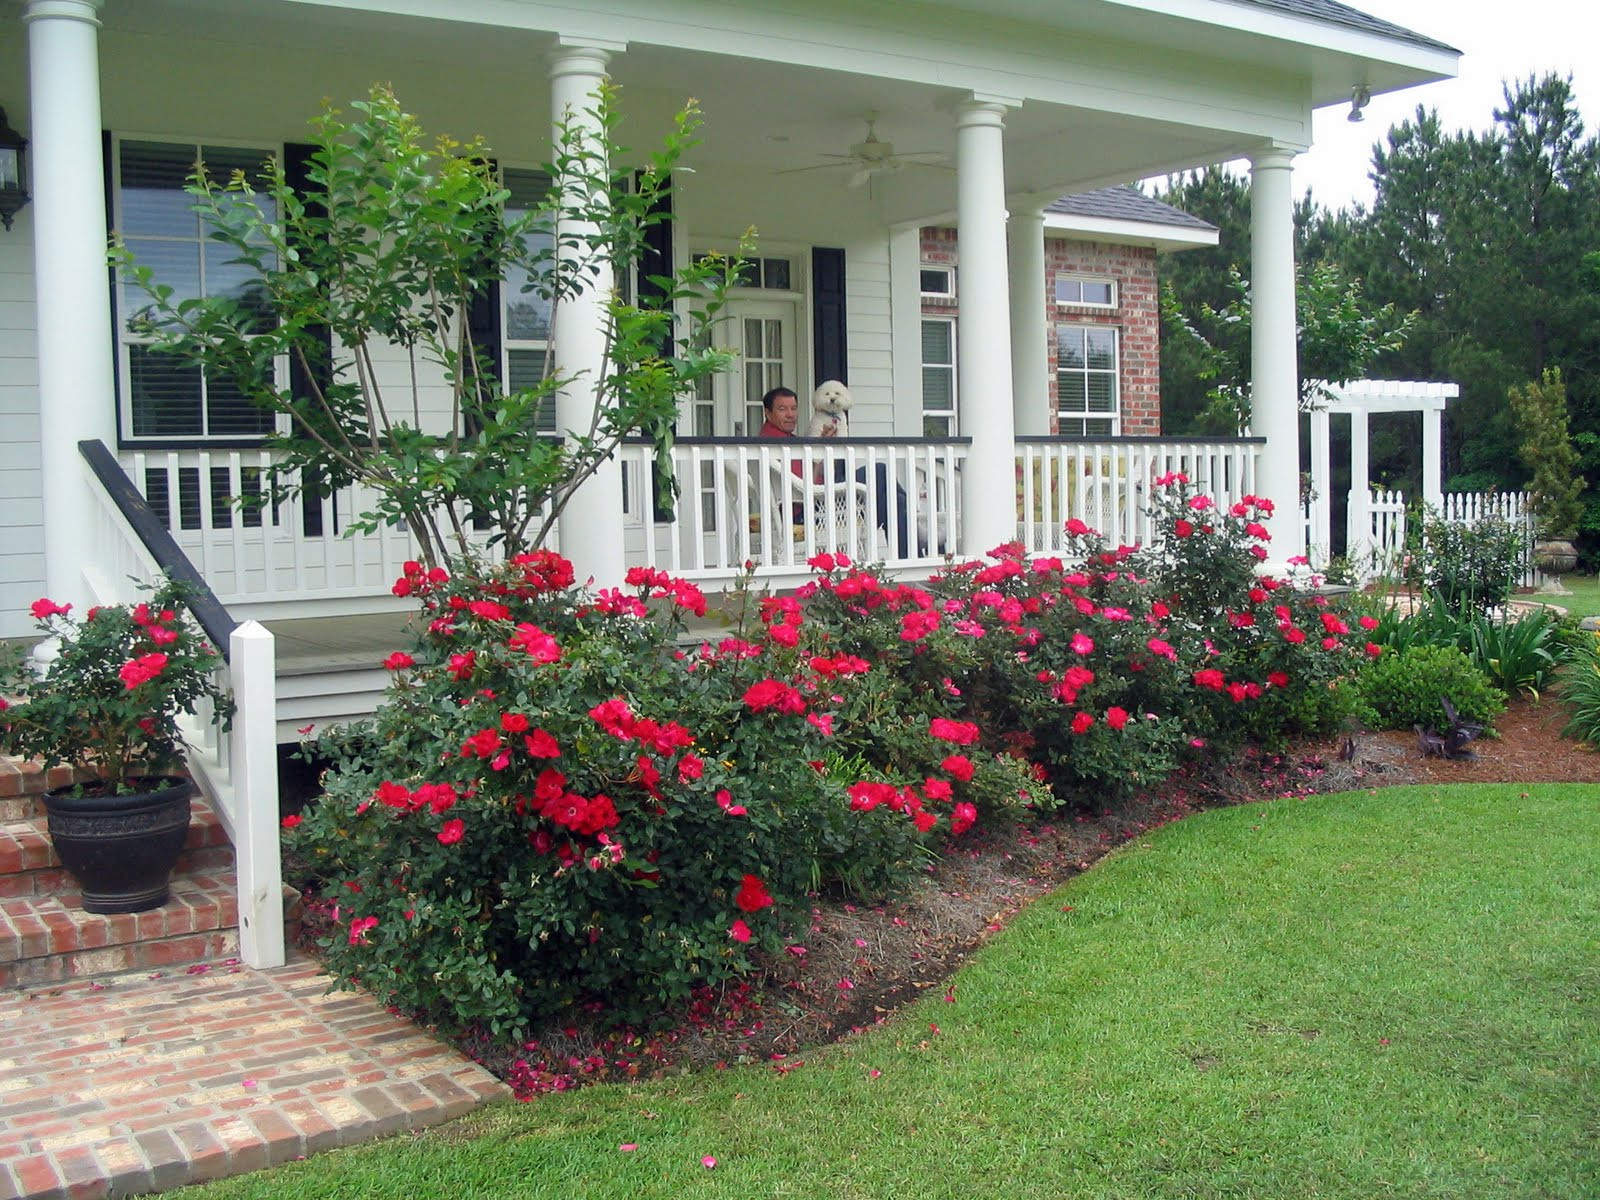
{"type": "Point", "coordinates": [13, 171]}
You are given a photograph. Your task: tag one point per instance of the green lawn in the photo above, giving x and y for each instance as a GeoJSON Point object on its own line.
{"type": "Point", "coordinates": [1585, 598]}
{"type": "Point", "coordinates": [1378, 994]}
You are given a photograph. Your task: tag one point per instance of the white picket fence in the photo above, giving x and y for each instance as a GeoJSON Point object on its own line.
{"type": "Point", "coordinates": [1379, 549]}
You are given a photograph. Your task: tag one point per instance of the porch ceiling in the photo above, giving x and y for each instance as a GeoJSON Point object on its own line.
{"type": "Point", "coordinates": [1110, 91]}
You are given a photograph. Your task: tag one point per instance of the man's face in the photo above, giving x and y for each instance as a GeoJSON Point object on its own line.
{"type": "Point", "coordinates": [785, 412]}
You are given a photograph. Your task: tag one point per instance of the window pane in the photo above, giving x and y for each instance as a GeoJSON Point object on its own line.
{"type": "Point", "coordinates": [1068, 291]}
{"type": "Point", "coordinates": [1102, 393]}
{"type": "Point", "coordinates": [1070, 391]}
{"type": "Point", "coordinates": [752, 338]}
{"type": "Point", "coordinates": [528, 188]}
{"type": "Point", "coordinates": [938, 389]}
{"type": "Point", "coordinates": [524, 370]}
{"type": "Point", "coordinates": [754, 383]}
{"type": "Point", "coordinates": [229, 413]}
{"type": "Point", "coordinates": [1096, 293]}
{"type": "Point", "coordinates": [527, 313]}
{"type": "Point", "coordinates": [175, 264]}
{"type": "Point", "coordinates": [1069, 348]}
{"type": "Point", "coordinates": [777, 273]}
{"type": "Point", "coordinates": [1102, 345]}
{"type": "Point", "coordinates": [165, 394]}
{"type": "Point", "coordinates": [935, 282]}
{"type": "Point", "coordinates": [774, 339]}
{"type": "Point", "coordinates": [935, 427]}
{"type": "Point", "coordinates": [938, 341]}
{"type": "Point", "coordinates": [152, 181]}
{"type": "Point", "coordinates": [236, 281]}
{"type": "Point", "coordinates": [1097, 428]}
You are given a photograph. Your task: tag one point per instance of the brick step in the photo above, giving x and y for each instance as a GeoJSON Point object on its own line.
{"type": "Point", "coordinates": [50, 939]}
{"type": "Point", "coordinates": [29, 866]}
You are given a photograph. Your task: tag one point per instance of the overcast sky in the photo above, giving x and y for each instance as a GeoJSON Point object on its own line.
{"type": "Point", "coordinates": [1498, 40]}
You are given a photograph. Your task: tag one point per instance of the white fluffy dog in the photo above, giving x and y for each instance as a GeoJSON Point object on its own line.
{"type": "Point", "coordinates": [830, 408]}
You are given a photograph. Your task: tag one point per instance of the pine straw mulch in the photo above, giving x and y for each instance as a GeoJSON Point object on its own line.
{"type": "Point", "coordinates": [854, 965]}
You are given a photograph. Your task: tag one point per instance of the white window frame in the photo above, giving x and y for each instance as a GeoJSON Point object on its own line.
{"type": "Point", "coordinates": [1079, 277]}
{"type": "Point", "coordinates": [953, 414]}
{"type": "Point", "coordinates": [1083, 416]}
{"type": "Point", "coordinates": [122, 311]}
{"type": "Point", "coordinates": [949, 270]}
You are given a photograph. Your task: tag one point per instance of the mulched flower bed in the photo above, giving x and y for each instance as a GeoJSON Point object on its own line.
{"type": "Point", "coordinates": [854, 965]}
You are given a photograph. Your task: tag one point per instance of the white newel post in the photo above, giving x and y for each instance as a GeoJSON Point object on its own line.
{"type": "Point", "coordinates": [983, 337]}
{"type": "Point", "coordinates": [1274, 370]}
{"type": "Point", "coordinates": [253, 773]}
{"type": "Point", "coordinates": [1030, 350]}
{"type": "Point", "coordinates": [77, 396]}
{"type": "Point", "coordinates": [591, 524]}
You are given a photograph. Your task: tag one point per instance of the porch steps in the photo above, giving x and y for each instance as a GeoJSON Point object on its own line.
{"type": "Point", "coordinates": [46, 937]}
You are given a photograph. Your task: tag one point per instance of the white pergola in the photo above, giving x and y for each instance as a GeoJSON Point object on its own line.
{"type": "Point", "coordinates": [1359, 399]}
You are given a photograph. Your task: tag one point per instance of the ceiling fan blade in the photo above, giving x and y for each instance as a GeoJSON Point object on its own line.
{"type": "Point", "coordinates": [833, 166]}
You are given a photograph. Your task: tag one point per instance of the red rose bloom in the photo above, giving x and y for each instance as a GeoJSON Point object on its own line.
{"type": "Point", "coordinates": [752, 895]}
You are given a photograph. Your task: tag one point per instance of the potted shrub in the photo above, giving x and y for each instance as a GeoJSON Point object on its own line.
{"type": "Point", "coordinates": [108, 706]}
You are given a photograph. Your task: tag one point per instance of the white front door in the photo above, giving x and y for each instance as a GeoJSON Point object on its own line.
{"type": "Point", "coordinates": [763, 334]}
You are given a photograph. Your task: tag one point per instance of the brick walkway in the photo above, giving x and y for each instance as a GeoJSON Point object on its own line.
{"type": "Point", "coordinates": [139, 1083]}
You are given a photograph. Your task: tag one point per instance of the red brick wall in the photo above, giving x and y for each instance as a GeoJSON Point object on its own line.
{"type": "Point", "coordinates": [1137, 314]}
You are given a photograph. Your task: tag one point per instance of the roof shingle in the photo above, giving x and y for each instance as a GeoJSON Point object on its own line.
{"type": "Point", "coordinates": [1334, 13]}
{"type": "Point", "coordinates": [1125, 204]}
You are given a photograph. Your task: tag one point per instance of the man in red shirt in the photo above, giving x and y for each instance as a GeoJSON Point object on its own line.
{"type": "Point", "coordinates": [782, 414]}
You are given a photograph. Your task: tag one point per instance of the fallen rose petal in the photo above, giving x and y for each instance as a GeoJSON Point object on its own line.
{"type": "Point", "coordinates": [708, 1162]}
{"type": "Point", "coordinates": [626, 1147]}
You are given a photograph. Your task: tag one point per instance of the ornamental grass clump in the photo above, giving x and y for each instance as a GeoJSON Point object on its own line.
{"type": "Point", "coordinates": [559, 805]}
{"type": "Point", "coordinates": [109, 704]}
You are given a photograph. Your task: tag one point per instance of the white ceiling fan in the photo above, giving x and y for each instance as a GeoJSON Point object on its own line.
{"type": "Point", "coordinates": [873, 156]}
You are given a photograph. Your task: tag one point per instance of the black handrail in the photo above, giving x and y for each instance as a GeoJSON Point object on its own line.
{"type": "Point", "coordinates": [203, 603]}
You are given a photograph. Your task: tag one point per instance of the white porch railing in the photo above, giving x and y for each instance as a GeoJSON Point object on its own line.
{"type": "Point", "coordinates": [1106, 484]}
{"type": "Point", "coordinates": [772, 503]}
{"type": "Point", "coordinates": [775, 503]}
{"type": "Point", "coordinates": [237, 769]}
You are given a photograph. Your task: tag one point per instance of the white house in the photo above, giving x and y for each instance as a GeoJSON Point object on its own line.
{"type": "Point", "coordinates": [1008, 107]}
{"type": "Point", "coordinates": [994, 111]}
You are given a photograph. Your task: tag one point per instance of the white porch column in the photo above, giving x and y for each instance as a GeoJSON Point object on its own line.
{"type": "Point", "coordinates": [1274, 370]}
{"type": "Point", "coordinates": [77, 385]}
{"type": "Point", "coordinates": [1030, 350]}
{"type": "Point", "coordinates": [591, 524]}
{"type": "Point", "coordinates": [983, 339]}
{"type": "Point", "coordinates": [1432, 464]}
{"type": "Point", "coordinates": [1321, 485]}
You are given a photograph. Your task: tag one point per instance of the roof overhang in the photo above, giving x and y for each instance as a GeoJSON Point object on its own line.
{"type": "Point", "coordinates": [1127, 233]}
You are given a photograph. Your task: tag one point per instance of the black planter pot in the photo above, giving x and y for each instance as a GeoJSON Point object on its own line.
{"type": "Point", "coordinates": [121, 849]}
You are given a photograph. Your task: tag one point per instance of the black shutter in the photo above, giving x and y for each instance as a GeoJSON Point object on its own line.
{"type": "Point", "coordinates": [317, 374]}
{"type": "Point", "coordinates": [829, 353]}
{"type": "Point", "coordinates": [656, 260]}
{"type": "Point", "coordinates": [483, 322]}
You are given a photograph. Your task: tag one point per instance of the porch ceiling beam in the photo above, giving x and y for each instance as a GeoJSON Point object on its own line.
{"type": "Point", "coordinates": [954, 51]}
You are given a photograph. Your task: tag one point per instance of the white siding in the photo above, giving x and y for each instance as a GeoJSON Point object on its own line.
{"type": "Point", "coordinates": [21, 508]}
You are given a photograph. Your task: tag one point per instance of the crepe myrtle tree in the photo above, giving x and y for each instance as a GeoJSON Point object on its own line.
{"type": "Point", "coordinates": [394, 239]}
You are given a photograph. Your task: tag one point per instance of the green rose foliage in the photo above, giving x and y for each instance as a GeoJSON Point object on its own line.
{"type": "Point", "coordinates": [559, 804]}
{"type": "Point", "coordinates": [1116, 668]}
